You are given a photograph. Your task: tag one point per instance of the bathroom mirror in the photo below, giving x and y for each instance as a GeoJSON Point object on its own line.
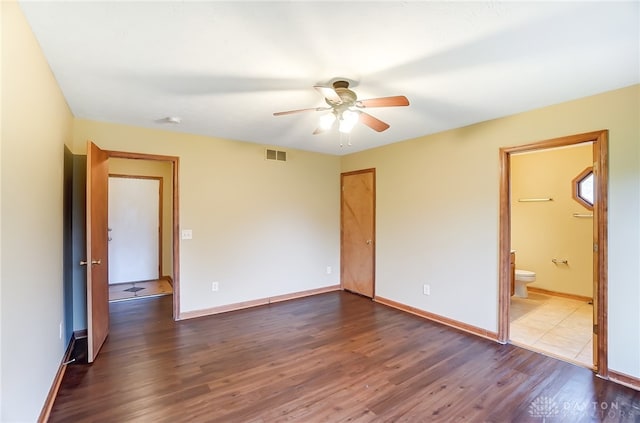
{"type": "Point", "coordinates": [583, 188]}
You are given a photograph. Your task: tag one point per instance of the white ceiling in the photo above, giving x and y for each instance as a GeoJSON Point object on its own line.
{"type": "Point", "coordinates": [225, 67]}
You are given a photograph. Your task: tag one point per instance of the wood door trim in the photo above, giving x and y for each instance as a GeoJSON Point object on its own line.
{"type": "Point", "coordinates": [373, 271]}
{"type": "Point", "coordinates": [175, 162]}
{"type": "Point", "coordinates": [160, 180]}
{"type": "Point", "coordinates": [601, 160]}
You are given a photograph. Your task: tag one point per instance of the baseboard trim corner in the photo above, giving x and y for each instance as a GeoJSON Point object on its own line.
{"type": "Point", "coordinates": [255, 303]}
{"type": "Point", "coordinates": [474, 330]}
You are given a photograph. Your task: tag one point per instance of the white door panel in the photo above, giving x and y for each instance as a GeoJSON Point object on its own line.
{"type": "Point", "coordinates": [134, 229]}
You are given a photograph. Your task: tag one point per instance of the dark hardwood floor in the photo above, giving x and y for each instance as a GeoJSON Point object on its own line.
{"type": "Point", "coordinates": [334, 357]}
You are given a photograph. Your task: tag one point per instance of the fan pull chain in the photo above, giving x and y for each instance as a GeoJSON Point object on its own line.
{"type": "Point", "coordinates": [345, 139]}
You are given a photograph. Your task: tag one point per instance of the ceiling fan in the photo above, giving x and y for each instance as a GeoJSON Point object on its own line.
{"type": "Point", "coordinates": [344, 108]}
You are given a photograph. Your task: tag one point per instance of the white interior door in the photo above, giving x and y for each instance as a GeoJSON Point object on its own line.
{"type": "Point", "coordinates": [134, 229]}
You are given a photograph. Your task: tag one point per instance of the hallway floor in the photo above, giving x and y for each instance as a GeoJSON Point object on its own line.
{"type": "Point", "coordinates": [133, 290]}
{"type": "Point", "coordinates": [557, 326]}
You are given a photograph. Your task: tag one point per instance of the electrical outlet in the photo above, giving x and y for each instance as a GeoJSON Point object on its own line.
{"type": "Point", "coordinates": [187, 234]}
{"type": "Point", "coordinates": [214, 286]}
{"type": "Point", "coordinates": [328, 270]}
{"type": "Point", "coordinates": [426, 289]}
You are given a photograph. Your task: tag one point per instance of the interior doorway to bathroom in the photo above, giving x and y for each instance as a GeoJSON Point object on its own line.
{"type": "Point", "coordinates": [548, 317]}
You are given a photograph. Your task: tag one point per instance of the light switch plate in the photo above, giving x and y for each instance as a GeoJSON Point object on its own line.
{"type": "Point", "coordinates": [187, 234]}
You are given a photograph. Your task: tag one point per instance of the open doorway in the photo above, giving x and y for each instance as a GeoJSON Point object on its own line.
{"type": "Point", "coordinates": [597, 143]}
{"type": "Point", "coordinates": [149, 165]}
{"type": "Point", "coordinates": [140, 236]}
{"type": "Point", "coordinates": [90, 281]}
{"type": "Point", "coordinates": [551, 307]}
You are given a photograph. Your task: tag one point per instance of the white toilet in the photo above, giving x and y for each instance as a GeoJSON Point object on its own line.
{"type": "Point", "coordinates": [523, 277]}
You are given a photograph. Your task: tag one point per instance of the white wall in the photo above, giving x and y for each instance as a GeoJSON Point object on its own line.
{"type": "Point", "coordinates": [134, 229]}
{"type": "Point", "coordinates": [36, 123]}
{"type": "Point", "coordinates": [260, 228]}
{"type": "Point", "coordinates": [438, 213]}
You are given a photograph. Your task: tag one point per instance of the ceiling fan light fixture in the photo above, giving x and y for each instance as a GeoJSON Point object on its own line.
{"type": "Point", "coordinates": [326, 121]}
{"type": "Point", "coordinates": [348, 120]}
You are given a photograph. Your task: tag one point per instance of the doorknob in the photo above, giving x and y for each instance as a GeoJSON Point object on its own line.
{"type": "Point", "coordinates": [368, 242]}
{"type": "Point", "coordinates": [99, 261]}
{"type": "Point", "coordinates": [83, 262]}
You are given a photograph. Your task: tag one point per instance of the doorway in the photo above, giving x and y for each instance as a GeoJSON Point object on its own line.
{"type": "Point", "coordinates": [169, 257]}
{"type": "Point", "coordinates": [599, 143]}
{"type": "Point", "coordinates": [97, 240]}
{"type": "Point", "coordinates": [140, 235]}
{"type": "Point", "coordinates": [551, 234]}
{"type": "Point", "coordinates": [357, 232]}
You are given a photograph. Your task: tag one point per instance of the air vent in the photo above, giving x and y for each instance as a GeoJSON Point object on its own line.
{"type": "Point", "coordinates": [280, 156]}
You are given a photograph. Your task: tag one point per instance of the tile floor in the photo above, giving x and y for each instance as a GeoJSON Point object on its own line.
{"type": "Point", "coordinates": [132, 290]}
{"type": "Point", "coordinates": [557, 326]}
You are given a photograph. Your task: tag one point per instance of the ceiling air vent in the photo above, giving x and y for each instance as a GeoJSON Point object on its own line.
{"type": "Point", "coordinates": [280, 156]}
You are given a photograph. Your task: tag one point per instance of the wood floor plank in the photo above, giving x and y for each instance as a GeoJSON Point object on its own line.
{"type": "Point", "coordinates": [332, 357]}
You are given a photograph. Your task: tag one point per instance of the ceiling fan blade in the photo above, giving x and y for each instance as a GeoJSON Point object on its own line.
{"type": "Point", "coordinates": [329, 93]}
{"type": "Point", "coordinates": [373, 123]}
{"type": "Point", "coordinates": [398, 100]}
{"type": "Point", "coordinates": [290, 112]}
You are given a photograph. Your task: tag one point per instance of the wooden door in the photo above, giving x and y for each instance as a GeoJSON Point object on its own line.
{"type": "Point", "coordinates": [97, 249]}
{"type": "Point", "coordinates": [357, 235]}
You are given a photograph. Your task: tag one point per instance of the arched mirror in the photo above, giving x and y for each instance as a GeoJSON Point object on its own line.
{"type": "Point", "coordinates": [583, 188]}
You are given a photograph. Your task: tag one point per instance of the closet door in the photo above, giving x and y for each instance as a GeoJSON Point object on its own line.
{"type": "Point", "coordinates": [357, 235]}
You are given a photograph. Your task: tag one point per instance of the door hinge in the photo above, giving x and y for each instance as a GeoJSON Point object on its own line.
{"type": "Point", "coordinates": [595, 329]}
{"type": "Point", "coordinates": [595, 248]}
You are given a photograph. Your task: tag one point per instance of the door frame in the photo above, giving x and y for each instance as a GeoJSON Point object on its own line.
{"type": "Point", "coordinates": [160, 207]}
{"type": "Point", "coordinates": [175, 162]}
{"type": "Point", "coordinates": [373, 259]}
{"type": "Point", "coordinates": [600, 225]}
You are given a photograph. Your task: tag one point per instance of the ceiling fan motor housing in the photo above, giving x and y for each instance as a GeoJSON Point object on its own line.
{"type": "Point", "coordinates": [347, 96]}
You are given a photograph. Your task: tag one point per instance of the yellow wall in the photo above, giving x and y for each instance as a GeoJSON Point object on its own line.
{"type": "Point", "coordinates": [260, 228]}
{"type": "Point", "coordinates": [544, 231]}
{"type": "Point", "coordinates": [160, 169]}
{"type": "Point", "coordinates": [36, 124]}
{"type": "Point", "coordinates": [438, 213]}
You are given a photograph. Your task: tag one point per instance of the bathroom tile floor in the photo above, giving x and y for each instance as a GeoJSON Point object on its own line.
{"type": "Point", "coordinates": [133, 290]}
{"type": "Point", "coordinates": [556, 326]}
